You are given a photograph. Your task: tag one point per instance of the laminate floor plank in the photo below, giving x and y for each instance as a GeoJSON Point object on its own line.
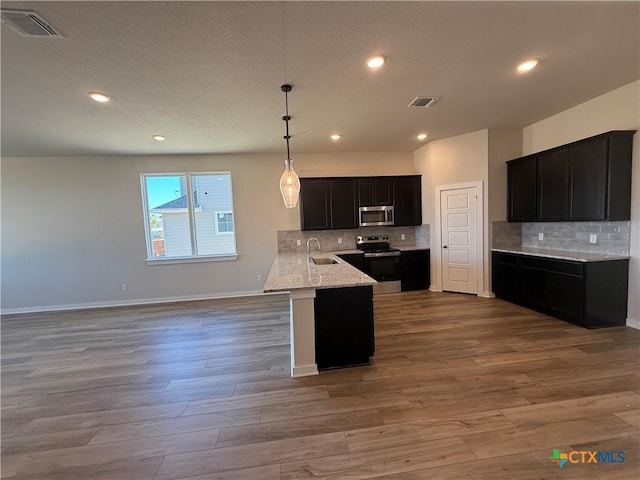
{"type": "Point", "coordinates": [459, 387]}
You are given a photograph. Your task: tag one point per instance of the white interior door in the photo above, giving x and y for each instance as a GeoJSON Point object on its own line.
{"type": "Point", "coordinates": [458, 235]}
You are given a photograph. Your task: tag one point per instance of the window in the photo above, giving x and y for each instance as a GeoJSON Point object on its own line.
{"type": "Point", "coordinates": [224, 223]}
{"type": "Point", "coordinates": [188, 216]}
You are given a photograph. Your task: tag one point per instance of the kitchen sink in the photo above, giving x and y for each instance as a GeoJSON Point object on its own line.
{"type": "Point", "coordinates": [323, 260]}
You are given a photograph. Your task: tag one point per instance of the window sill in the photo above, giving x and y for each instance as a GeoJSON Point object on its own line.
{"type": "Point", "coordinates": [212, 258]}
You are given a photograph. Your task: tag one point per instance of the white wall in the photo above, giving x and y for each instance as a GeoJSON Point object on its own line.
{"type": "Point", "coordinates": [72, 228]}
{"type": "Point", "coordinates": [616, 110]}
{"type": "Point", "coordinates": [454, 160]}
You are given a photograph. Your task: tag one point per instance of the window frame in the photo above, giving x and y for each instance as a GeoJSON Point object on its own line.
{"type": "Point", "coordinates": [191, 211]}
{"type": "Point", "coordinates": [217, 225]}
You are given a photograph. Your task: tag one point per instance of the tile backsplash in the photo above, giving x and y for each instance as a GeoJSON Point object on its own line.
{"type": "Point", "coordinates": [611, 237]}
{"type": "Point", "coordinates": [287, 239]}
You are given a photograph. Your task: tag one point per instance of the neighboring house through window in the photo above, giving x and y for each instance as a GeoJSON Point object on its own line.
{"type": "Point", "coordinates": [189, 215]}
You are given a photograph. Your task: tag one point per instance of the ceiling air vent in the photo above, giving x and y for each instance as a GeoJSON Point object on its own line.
{"type": "Point", "coordinates": [423, 101]}
{"type": "Point", "coordinates": [28, 23]}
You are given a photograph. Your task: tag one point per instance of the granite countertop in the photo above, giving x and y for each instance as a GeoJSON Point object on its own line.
{"type": "Point", "coordinates": [560, 254]}
{"type": "Point", "coordinates": [291, 271]}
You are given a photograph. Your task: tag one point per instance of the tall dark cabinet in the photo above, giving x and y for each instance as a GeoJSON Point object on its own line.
{"type": "Point", "coordinates": [407, 200]}
{"type": "Point", "coordinates": [342, 203]}
{"type": "Point", "coordinates": [553, 186]}
{"type": "Point", "coordinates": [314, 204]}
{"type": "Point", "coordinates": [521, 189]}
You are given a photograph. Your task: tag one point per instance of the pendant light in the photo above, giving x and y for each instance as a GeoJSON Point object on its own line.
{"type": "Point", "coordinates": [289, 181]}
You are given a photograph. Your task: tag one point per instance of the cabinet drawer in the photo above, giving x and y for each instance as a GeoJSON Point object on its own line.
{"type": "Point", "coordinates": [507, 258]}
{"type": "Point", "coordinates": [551, 265]}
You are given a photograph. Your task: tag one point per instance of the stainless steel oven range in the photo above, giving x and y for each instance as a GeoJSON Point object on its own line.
{"type": "Point", "coordinates": [381, 262]}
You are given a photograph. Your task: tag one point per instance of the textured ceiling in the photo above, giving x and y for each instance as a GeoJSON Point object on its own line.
{"type": "Point", "coordinates": [208, 74]}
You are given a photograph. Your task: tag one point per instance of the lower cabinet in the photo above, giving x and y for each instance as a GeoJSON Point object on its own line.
{"type": "Point", "coordinates": [354, 259]}
{"type": "Point", "coordinates": [416, 273]}
{"type": "Point", "coordinates": [344, 326]}
{"type": "Point", "coordinates": [589, 294]}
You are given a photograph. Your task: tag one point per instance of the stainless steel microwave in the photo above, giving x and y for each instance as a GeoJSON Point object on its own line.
{"type": "Point", "coordinates": [377, 215]}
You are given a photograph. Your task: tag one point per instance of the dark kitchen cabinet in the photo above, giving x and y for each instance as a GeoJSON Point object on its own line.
{"type": "Point", "coordinates": [505, 275]}
{"type": "Point", "coordinates": [585, 180]}
{"type": "Point", "coordinates": [375, 191]}
{"type": "Point", "coordinates": [344, 331]}
{"type": "Point", "coordinates": [327, 203]}
{"type": "Point", "coordinates": [354, 259]}
{"type": "Point", "coordinates": [521, 189]}
{"type": "Point", "coordinates": [416, 267]}
{"type": "Point", "coordinates": [589, 294]}
{"type": "Point", "coordinates": [314, 204]}
{"type": "Point", "coordinates": [342, 203]}
{"type": "Point", "coordinates": [407, 193]}
{"type": "Point", "coordinates": [553, 186]}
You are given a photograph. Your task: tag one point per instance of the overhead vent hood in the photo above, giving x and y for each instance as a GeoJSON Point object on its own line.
{"type": "Point", "coordinates": [28, 23]}
{"type": "Point", "coordinates": [423, 101]}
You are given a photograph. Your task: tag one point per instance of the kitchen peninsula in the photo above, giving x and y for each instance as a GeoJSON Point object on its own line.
{"type": "Point", "coordinates": [334, 289]}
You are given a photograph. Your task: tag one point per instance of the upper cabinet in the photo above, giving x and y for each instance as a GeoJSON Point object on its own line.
{"type": "Point", "coordinates": [521, 189]}
{"type": "Point", "coordinates": [407, 200]}
{"type": "Point", "coordinates": [375, 191]}
{"type": "Point", "coordinates": [583, 181]}
{"type": "Point", "coordinates": [332, 203]}
{"type": "Point", "coordinates": [327, 203]}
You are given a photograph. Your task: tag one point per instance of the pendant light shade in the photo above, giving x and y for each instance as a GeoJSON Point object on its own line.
{"type": "Point", "coordinates": [289, 185]}
{"type": "Point", "coordinates": [289, 181]}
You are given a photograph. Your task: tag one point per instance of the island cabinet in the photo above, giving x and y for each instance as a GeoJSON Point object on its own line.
{"type": "Point", "coordinates": [416, 273]}
{"type": "Point", "coordinates": [589, 294]}
{"type": "Point", "coordinates": [344, 333]}
{"type": "Point", "coordinates": [587, 180]}
{"type": "Point", "coordinates": [328, 203]}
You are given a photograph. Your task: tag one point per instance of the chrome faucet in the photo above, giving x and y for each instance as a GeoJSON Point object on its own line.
{"type": "Point", "coordinates": [309, 247]}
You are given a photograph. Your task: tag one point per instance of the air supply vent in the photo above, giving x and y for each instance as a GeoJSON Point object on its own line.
{"type": "Point", "coordinates": [28, 23]}
{"type": "Point", "coordinates": [423, 101]}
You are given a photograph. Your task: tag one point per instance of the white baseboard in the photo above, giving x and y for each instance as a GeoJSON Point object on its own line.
{"type": "Point", "coordinates": [128, 303]}
{"type": "Point", "coordinates": [633, 323]}
{"type": "Point", "coordinates": [304, 370]}
{"type": "Point", "coordinates": [487, 295]}
{"type": "Point", "coordinates": [435, 288]}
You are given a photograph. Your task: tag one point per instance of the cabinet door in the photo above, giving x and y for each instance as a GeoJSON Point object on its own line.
{"type": "Point", "coordinates": [521, 189]}
{"type": "Point", "coordinates": [505, 278]}
{"type": "Point", "coordinates": [375, 191]}
{"type": "Point", "coordinates": [407, 200]}
{"type": "Point", "coordinates": [415, 270]}
{"type": "Point", "coordinates": [342, 201]}
{"type": "Point", "coordinates": [553, 186]}
{"type": "Point", "coordinates": [354, 259]}
{"type": "Point", "coordinates": [314, 204]}
{"type": "Point", "coordinates": [343, 326]}
{"type": "Point", "coordinates": [588, 183]}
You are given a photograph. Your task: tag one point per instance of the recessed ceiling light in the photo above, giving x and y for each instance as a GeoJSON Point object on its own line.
{"type": "Point", "coordinates": [528, 65]}
{"type": "Point", "coordinates": [336, 137]}
{"type": "Point", "coordinates": [375, 61]}
{"type": "Point", "coordinates": [160, 138]}
{"type": "Point", "coordinates": [99, 97]}
{"type": "Point", "coordinates": [422, 136]}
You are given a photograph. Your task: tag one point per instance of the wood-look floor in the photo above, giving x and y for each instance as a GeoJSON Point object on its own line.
{"type": "Point", "coordinates": [461, 388]}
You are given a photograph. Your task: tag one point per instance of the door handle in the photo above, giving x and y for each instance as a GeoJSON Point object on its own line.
{"type": "Point", "coordinates": [445, 247]}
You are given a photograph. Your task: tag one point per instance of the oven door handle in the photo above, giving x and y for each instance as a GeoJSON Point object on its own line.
{"type": "Point", "coordinates": [382, 254]}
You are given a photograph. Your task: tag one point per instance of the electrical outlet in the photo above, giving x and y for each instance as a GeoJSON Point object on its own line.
{"type": "Point", "coordinates": [402, 236]}
{"type": "Point", "coordinates": [259, 278]}
{"type": "Point", "coordinates": [298, 242]}
{"type": "Point", "coordinates": [593, 238]}
{"type": "Point", "coordinates": [541, 236]}
{"type": "Point", "coordinates": [125, 287]}
{"type": "Point", "coordinates": [339, 240]}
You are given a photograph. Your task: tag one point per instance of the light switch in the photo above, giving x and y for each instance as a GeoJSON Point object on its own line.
{"type": "Point", "coordinates": [541, 236]}
{"type": "Point", "coordinates": [593, 238]}
{"type": "Point", "coordinates": [402, 236]}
